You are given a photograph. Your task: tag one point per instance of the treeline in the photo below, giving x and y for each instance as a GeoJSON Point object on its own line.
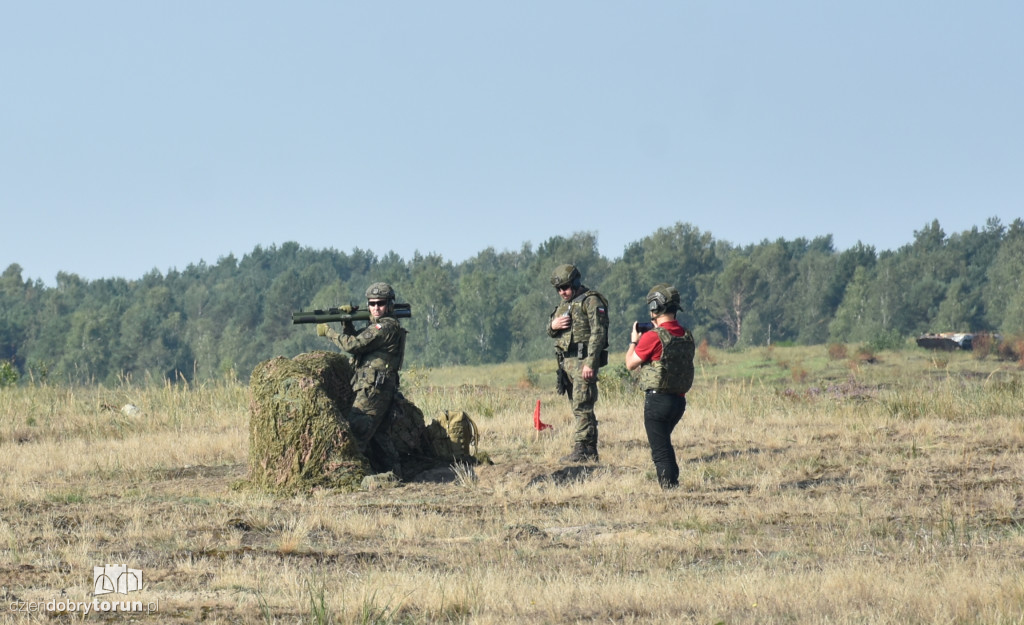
{"type": "Point", "coordinates": [214, 321]}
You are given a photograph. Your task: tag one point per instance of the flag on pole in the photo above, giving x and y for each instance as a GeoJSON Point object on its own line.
{"type": "Point", "coordinates": [536, 419]}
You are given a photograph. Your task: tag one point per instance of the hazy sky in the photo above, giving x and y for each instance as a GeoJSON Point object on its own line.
{"type": "Point", "coordinates": [141, 135]}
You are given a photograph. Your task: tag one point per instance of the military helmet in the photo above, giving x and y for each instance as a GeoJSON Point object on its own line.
{"type": "Point", "coordinates": [379, 290]}
{"type": "Point", "coordinates": [565, 274]}
{"type": "Point", "coordinates": [661, 296]}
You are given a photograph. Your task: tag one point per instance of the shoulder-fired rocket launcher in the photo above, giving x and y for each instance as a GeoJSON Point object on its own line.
{"type": "Point", "coordinates": [345, 313]}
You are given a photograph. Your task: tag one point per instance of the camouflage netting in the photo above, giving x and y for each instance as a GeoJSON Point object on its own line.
{"type": "Point", "coordinates": [299, 435]}
{"type": "Point", "coordinates": [299, 438]}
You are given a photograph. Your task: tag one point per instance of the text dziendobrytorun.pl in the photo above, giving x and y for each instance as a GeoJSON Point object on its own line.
{"type": "Point", "coordinates": [60, 606]}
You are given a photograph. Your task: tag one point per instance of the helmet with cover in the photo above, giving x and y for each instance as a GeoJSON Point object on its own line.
{"type": "Point", "coordinates": [382, 290]}
{"type": "Point", "coordinates": [566, 275]}
{"type": "Point", "coordinates": [663, 298]}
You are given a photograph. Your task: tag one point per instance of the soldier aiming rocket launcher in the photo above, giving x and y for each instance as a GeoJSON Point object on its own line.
{"type": "Point", "coordinates": [349, 312]}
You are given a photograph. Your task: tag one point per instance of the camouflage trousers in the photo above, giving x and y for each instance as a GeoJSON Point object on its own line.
{"type": "Point", "coordinates": [369, 420]}
{"type": "Point", "coordinates": [582, 397]}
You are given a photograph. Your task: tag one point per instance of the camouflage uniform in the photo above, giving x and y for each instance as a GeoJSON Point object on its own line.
{"type": "Point", "coordinates": [378, 351]}
{"type": "Point", "coordinates": [584, 343]}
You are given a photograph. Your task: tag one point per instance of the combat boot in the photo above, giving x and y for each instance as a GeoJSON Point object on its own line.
{"type": "Point", "coordinates": [665, 480]}
{"type": "Point", "coordinates": [579, 454]}
{"type": "Point", "coordinates": [592, 447]}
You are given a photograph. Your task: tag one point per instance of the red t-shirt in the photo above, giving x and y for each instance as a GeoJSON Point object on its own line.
{"type": "Point", "coordinates": [648, 348]}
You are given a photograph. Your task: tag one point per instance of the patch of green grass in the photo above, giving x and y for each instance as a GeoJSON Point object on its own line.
{"type": "Point", "coordinates": [67, 497]}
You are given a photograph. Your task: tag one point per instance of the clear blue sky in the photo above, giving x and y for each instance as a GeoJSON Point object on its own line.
{"type": "Point", "coordinates": [151, 135]}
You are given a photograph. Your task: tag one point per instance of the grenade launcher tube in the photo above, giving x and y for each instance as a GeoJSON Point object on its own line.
{"type": "Point", "coordinates": [402, 311]}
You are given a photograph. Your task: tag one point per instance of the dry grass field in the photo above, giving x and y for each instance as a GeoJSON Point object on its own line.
{"type": "Point", "coordinates": [817, 486]}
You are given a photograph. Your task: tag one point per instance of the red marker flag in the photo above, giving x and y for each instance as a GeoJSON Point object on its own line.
{"type": "Point", "coordinates": [536, 419]}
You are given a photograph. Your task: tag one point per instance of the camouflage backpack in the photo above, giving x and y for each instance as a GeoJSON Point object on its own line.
{"type": "Point", "coordinates": [454, 434]}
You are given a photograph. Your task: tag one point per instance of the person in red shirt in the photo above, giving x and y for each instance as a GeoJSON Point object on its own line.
{"type": "Point", "coordinates": [664, 355]}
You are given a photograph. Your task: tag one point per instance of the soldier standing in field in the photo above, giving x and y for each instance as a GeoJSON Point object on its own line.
{"type": "Point", "coordinates": [579, 326]}
{"type": "Point", "coordinates": [664, 356]}
{"type": "Point", "coordinates": [377, 351]}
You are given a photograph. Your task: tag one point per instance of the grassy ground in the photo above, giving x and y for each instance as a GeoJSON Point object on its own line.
{"type": "Point", "coordinates": [817, 487]}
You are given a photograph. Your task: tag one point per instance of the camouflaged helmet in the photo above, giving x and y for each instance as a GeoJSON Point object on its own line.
{"type": "Point", "coordinates": [566, 274]}
{"type": "Point", "coordinates": [380, 290]}
{"type": "Point", "coordinates": [663, 298]}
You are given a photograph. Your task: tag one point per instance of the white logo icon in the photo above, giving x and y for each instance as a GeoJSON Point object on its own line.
{"type": "Point", "coordinates": [115, 578]}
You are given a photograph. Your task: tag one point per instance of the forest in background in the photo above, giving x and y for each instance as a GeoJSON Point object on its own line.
{"type": "Point", "coordinates": [218, 321]}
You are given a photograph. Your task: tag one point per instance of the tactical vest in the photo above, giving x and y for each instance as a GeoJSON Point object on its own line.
{"type": "Point", "coordinates": [381, 366]}
{"type": "Point", "coordinates": [580, 330]}
{"type": "Point", "coordinates": [673, 373]}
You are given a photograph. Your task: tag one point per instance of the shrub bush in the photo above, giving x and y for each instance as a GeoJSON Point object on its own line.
{"type": "Point", "coordinates": [8, 374]}
{"type": "Point", "coordinates": [837, 351]}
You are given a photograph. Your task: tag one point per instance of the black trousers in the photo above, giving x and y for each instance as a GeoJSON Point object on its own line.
{"type": "Point", "coordinates": [662, 412]}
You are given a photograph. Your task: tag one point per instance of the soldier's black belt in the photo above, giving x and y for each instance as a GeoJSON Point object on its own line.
{"type": "Point", "coordinates": [576, 350]}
